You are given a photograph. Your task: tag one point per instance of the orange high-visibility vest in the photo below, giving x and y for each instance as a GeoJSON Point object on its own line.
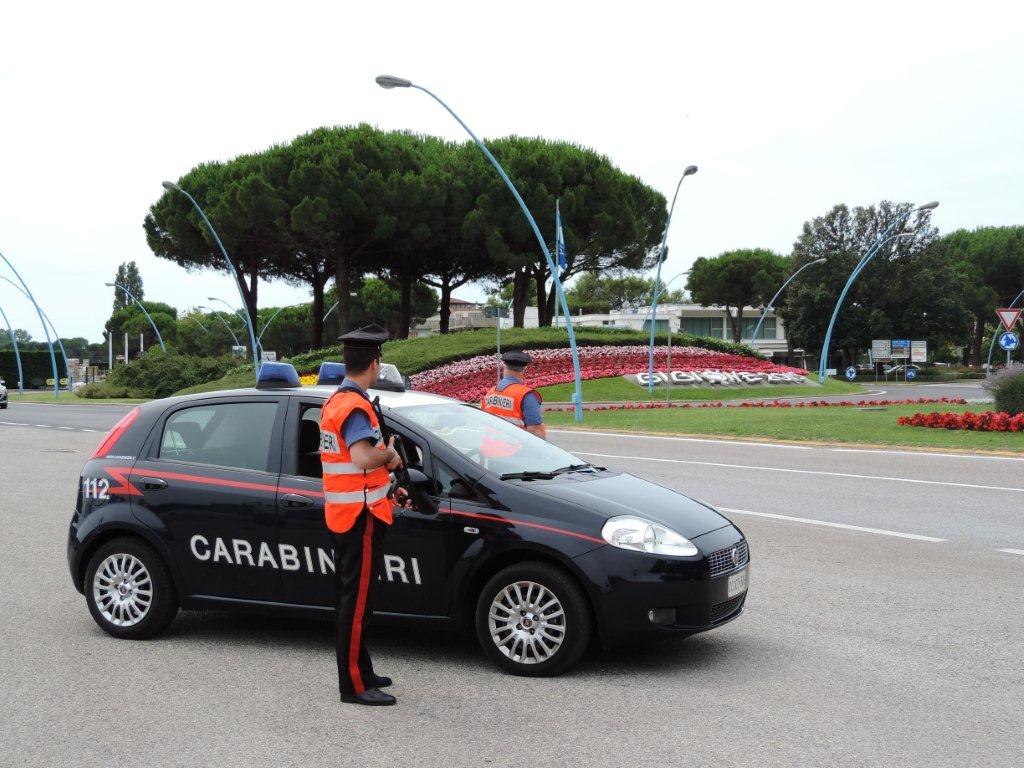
{"type": "Point", "coordinates": [347, 488]}
{"type": "Point", "coordinates": [508, 402]}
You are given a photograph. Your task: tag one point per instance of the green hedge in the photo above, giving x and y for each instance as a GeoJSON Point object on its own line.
{"type": "Point", "coordinates": [156, 374]}
{"type": "Point", "coordinates": [1008, 390]}
{"type": "Point", "coordinates": [416, 355]}
{"type": "Point", "coordinates": [34, 362]}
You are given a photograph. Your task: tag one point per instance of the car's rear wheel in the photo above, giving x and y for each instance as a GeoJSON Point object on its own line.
{"type": "Point", "coordinates": [533, 619]}
{"type": "Point", "coordinates": [129, 589]}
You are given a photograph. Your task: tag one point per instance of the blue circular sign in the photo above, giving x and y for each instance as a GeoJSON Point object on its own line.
{"type": "Point", "coordinates": [851, 373]}
{"type": "Point", "coordinates": [1009, 341]}
{"type": "Point", "coordinates": [911, 374]}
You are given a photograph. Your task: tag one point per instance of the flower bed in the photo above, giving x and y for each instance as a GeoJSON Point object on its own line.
{"type": "Point", "coordinates": [468, 380]}
{"type": "Point", "coordinates": [645, 405]}
{"type": "Point", "coordinates": [985, 421]}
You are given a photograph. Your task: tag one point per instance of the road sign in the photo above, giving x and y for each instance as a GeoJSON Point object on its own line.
{"type": "Point", "coordinates": [1008, 317]}
{"type": "Point", "coordinates": [881, 350]}
{"type": "Point", "coordinates": [919, 351]}
{"type": "Point", "coordinates": [851, 373]}
{"type": "Point", "coordinates": [1009, 341]}
{"type": "Point", "coordinates": [900, 349]}
{"type": "Point", "coordinates": [268, 356]}
{"type": "Point", "coordinates": [911, 374]}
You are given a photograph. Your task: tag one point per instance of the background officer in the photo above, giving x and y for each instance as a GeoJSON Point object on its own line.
{"type": "Point", "coordinates": [358, 498]}
{"type": "Point", "coordinates": [512, 399]}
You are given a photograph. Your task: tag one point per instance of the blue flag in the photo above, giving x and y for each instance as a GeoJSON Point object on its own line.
{"type": "Point", "coordinates": [559, 239]}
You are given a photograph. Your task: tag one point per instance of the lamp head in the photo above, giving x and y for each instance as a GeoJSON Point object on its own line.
{"type": "Point", "coordinates": [690, 170]}
{"type": "Point", "coordinates": [390, 81]}
{"type": "Point", "coordinates": [110, 285]}
{"type": "Point", "coordinates": [170, 186]}
{"type": "Point", "coordinates": [822, 260]}
{"type": "Point", "coordinates": [928, 206]}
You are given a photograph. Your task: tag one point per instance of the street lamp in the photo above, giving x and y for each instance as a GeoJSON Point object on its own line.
{"type": "Point", "coordinates": [880, 241]}
{"type": "Point", "coordinates": [226, 324]}
{"type": "Point", "coordinates": [688, 171]}
{"type": "Point", "coordinates": [172, 187]}
{"type": "Point", "coordinates": [46, 319]}
{"type": "Point", "coordinates": [17, 354]}
{"type": "Point", "coordinates": [148, 316]}
{"type": "Point", "coordinates": [388, 82]}
{"type": "Point", "coordinates": [39, 311]}
{"type": "Point", "coordinates": [757, 328]}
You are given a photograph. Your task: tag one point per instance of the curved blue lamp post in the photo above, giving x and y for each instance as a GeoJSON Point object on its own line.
{"type": "Point", "coordinates": [170, 186]}
{"type": "Point", "coordinates": [263, 330]}
{"type": "Point", "coordinates": [46, 331]}
{"type": "Point", "coordinates": [689, 171]}
{"type": "Point", "coordinates": [388, 82]}
{"type": "Point", "coordinates": [226, 325]}
{"type": "Point", "coordinates": [238, 312]}
{"type": "Point", "coordinates": [148, 316]}
{"type": "Point", "coordinates": [757, 328]}
{"type": "Point", "coordinates": [46, 319]}
{"type": "Point", "coordinates": [992, 344]}
{"type": "Point", "coordinates": [17, 354]}
{"type": "Point", "coordinates": [880, 241]}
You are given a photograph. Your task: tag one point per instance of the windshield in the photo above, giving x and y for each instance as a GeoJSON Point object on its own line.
{"type": "Point", "coordinates": [493, 443]}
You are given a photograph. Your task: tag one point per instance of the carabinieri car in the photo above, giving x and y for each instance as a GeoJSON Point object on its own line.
{"type": "Point", "coordinates": [215, 500]}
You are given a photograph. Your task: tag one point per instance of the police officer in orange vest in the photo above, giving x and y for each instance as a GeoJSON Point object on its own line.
{"type": "Point", "coordinates": [512, 399]}
{"type": "Point", "coordinates": [359, 494]}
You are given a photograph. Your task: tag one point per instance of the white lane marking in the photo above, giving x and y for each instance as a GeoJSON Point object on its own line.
{"type": "Point", "coordinates": [90, 430]}
{"type": "Point", "coordinates": [679, 439]}
{"type": "Point", "coordinates": [805, 472]}
{"type": "Point", "coordinates": [1012, 551]}
{"type": "Point", "coordinates": [928, 453]}
{"type": "Point", "coordinates": [43, 426]}
{"type": "Point", "coordinates": [828, 524]}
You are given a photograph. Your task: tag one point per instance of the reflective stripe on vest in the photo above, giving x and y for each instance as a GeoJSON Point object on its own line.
{"type": "Point", "coordinates": [340, 468]}
{"type": "Point", "coordinates": [356, 497]}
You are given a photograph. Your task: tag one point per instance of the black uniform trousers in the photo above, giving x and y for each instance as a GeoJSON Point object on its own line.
{"type": "Point", "coordinates": [358, 560]}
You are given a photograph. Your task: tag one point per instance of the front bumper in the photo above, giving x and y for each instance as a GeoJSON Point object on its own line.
{"type": "Point", "coordinates": [627, 586]}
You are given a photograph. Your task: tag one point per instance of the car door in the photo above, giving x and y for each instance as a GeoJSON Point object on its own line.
{"type": "Point", "coordinates": [414, 578]}
{"type": "Point", "coordinates": [208, 483]}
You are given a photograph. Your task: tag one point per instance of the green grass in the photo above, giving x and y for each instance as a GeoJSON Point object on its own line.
{"type": "Point", "coordinates": [830, 425]}
{"type": "Point", "coordinates": [66, 398]}
{"type": "Point", "coordinates": [617, 389]}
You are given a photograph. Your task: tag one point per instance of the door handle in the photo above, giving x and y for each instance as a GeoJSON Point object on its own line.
{"type": "Point", "coordinates": [152, 483]}
{"type": "Point", "coordinates": [296, 500]}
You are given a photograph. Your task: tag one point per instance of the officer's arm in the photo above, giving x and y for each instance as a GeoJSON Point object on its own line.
{"type": "Point", "coordinates": [538, 429]}
{"type": "Point", "coordinates": [367, 456]}
{"type": "Point", "coordinates": [532, 416]}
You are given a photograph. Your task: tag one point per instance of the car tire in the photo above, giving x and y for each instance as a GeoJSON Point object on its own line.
{"type": "Point", "coordinates": [554, 625]}
{"type": "Point", "coordinates": [3, 406]}
{"type": "Point", "coordinates": [129, 590]}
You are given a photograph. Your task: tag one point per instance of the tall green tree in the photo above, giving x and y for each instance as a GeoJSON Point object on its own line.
{"type": "Point", "coordinates": [909, 290]}
{"type": "Point", "coordinates": [127, 277]}
{"type": "Point", "coordinates": [595, 293]}
{"type": "Point", "coordinates": [747, 277]}
{"type": "Point", "coordinates": [133, 321]}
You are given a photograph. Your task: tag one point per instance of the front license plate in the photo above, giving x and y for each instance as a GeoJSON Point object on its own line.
{"type": "Point", "coordinates": [738, 583]}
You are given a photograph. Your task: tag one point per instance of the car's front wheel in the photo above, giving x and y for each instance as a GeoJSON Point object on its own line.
{"type": "Point", "coordinates": [129, 589]}
{"type": "Point", "coordinates": [533, 619]}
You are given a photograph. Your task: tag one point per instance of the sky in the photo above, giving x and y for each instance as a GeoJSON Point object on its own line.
{"type": "Point", "coordinates": [787, 109]}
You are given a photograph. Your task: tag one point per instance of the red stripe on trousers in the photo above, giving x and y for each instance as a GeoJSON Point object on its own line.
{"type": "Point", "coordinates": [357, 620]}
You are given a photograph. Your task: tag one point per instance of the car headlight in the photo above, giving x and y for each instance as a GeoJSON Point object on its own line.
{"type": "Point", "coordinates": [642, 535]}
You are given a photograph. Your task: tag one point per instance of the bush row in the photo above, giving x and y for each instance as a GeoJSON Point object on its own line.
{"type": "Point", "coordinates": [156, 374]}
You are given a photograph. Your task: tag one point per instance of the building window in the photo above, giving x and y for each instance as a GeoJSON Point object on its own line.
{"type": "Point", "coordinates": [767, 329]}
{"type": "Point", "coordinates": [660, 326]}
{"type": "Point", "coordinates": [703, 326]}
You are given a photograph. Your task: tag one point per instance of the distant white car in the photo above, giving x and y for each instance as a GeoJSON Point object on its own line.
{"type": "Point", "coordinates": [3, 394]}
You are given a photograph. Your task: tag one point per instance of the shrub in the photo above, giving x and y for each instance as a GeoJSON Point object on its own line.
{"type": "Point", "coordinates": [1007, 387]}
{"type": "Point", "coordinates": [156, 374]}
{"type": "Point", "coordinates": [102, 390]}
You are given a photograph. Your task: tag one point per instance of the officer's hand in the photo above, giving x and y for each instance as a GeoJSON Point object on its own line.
{"type": "Point", "coordinates": [402, 497]}
{"type": "Point", "coordinates": [395, 461]}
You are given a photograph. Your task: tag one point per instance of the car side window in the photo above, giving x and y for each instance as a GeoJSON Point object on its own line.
{"type": "Point", "coordinates": [236, 435]}
{"type": "Point", "coordinates": [451, 484]}
{"type": "Point", "coordinates": [308, 460]}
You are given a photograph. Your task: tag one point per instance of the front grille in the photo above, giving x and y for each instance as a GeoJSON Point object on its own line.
{"type": "Point", "coordinates": [724, 610]}
{"type": "Point", "coordinates": [722, 561]}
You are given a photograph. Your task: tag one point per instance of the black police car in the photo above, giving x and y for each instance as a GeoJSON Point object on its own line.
{"type": "Point", "coordinates": [215, 500]}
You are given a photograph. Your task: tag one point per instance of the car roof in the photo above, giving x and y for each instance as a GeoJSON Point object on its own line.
{"type": "Point", "coordinates": [388, 398]}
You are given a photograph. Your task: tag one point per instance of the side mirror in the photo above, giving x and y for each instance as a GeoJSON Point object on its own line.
{"type": "Point", "coordinates": [420, 492]}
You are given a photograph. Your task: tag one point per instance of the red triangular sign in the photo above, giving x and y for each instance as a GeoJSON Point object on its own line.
{"type": "Point", "coordinates": [1008, 317]}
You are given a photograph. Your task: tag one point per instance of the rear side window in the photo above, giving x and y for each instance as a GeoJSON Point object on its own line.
{"type": "Point", "coordinates": [224, 434]}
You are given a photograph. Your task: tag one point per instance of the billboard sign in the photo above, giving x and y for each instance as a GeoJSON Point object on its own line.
{"type": "Point", "coordinates": [919, 351]}
{"type": "Point", "coordinates": [900, 349]}
{"type": "Point", "coordinates": [881, 350]}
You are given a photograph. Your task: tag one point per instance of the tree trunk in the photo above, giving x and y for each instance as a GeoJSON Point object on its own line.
{"type": "Point", "coordinates": [318, 311]}
{"type": "Point", "coordinates": [520, 296]}
{"type": "Point", "coordinates": [446, 305]}
{"type": "Point", "coordinates": [543, 318]}
{"type": "Point", "coordinates": [341, 285]}
{"type": "Point", "coordinates": [979, 338]}
{"type": "Point", "coordinates": [249, 295]}
{"type": "Point", "coordinates": [405, 310]}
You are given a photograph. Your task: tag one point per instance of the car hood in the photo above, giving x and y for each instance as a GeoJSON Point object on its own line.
{"type": "Point", "coordinates": [612, 494]}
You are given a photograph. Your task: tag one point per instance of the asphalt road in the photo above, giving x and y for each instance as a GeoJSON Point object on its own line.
{"type": "Point", "coordinates": [883, 627]}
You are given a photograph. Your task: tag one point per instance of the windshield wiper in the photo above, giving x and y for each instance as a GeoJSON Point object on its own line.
{"type": "Point", "coordinates": [574, 468]}
{"type": "Point", "coordinates": [528, 475]}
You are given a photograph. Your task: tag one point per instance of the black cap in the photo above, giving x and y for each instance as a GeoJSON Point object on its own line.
{"type": "Point", "coordinates": [515, 358]}
{"type": "Point", "coordinates": [368, 337]}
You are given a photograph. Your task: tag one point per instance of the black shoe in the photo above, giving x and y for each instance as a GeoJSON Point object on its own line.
{"type": "Point", "coordinates": [378, 681]}
{"type": "Point", "coordinates": [371, 697]}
